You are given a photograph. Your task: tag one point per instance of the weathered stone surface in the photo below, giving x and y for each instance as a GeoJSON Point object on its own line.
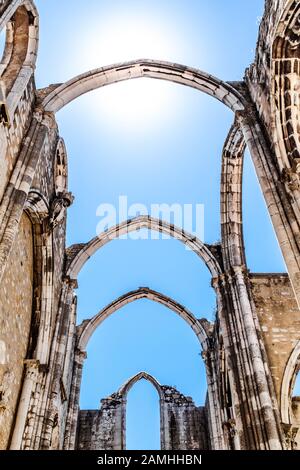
{"type": "Point", "coordinates": [183, 425]}
{"type": "Point", "coordinates": [279, 318]}
{"type": "Point", "coordinates": [16, 292]}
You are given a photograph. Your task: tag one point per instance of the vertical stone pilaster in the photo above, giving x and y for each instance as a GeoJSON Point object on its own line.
{"type": "Point", "coordinates": [31, 371]}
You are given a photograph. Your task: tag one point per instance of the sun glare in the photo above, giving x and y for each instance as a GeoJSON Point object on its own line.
{"type": "Point", "coordinates": [139, 101]}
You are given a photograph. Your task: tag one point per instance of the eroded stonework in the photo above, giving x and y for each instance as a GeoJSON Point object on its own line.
{"type": "Point", "coordinates": [183, 425]}
{"type": "Point", "coordinates": [252, 350]}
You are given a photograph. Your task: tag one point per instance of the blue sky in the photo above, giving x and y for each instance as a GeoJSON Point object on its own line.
{"type": "Point", "coordinates": [154, 142]}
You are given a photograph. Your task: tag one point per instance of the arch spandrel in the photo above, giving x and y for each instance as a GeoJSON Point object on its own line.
{"type": "Point", "coordinates": [88, 327]}
{"type": "Point", "coordinates": [177, 73]}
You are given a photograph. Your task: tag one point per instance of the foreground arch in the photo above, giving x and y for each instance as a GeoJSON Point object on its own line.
{"type": "Point", "coordinates": [88, 327]}
{"type": "Point", "coordinates": [189, 76]}
{"type": "Point", "coordinates": [85, 251]}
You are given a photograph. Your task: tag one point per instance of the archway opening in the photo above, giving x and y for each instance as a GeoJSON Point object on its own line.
{"type": "Point", "coordinates": [262, 249]}
{"type": "Point", "coordinates": [143, 417]}
{"type": "Point", "coordinates": [142, 335]}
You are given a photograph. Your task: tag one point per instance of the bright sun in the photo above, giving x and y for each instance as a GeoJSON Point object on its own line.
{"type": "Point", "coordinates": [127, 38]}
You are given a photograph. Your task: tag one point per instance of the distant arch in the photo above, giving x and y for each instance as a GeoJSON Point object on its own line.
{"type": "Point", "coordinates": [88, 327]}
{"type": "Point", "coordinates": [125, 388]}
{"type": "Point", "coordinates": [192, 77]}
{"type": "Point", "coordinates": [85, 251]}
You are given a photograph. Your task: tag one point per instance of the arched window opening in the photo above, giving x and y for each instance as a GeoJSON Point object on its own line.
{"type": "Point", "coordinates": [61, 169]}
{"type": "Point", "coordinates": [142, 417]}
{"type": "Point", "coordinates": [17, 38]}
{"type": "Point", "coordinates": [263, 253]}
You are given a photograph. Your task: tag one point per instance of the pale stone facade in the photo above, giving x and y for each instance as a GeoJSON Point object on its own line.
{"type": "Point", "coordinates": [252, 350]}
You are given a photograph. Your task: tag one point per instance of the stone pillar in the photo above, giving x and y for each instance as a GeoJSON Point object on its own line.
{"type": "Point", "coordinates": [285, 220]}
{"type": "Point", "coordinates": [73, 408]}
{"type": "Point", "coordinates": [17, 190]}
{"type": "Point", "coordinates": [54, 399]}
{"type": "Point", "coordinates": [255, 412]}
{"type": "Point", "coordinates": [31, 371]}
{"type": "Point", "coordinates": [216, 437]}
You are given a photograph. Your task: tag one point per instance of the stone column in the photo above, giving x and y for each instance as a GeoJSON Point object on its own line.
{"type": "Point", "coordinates": [73, 408]}
{"type": "Point", "coordinates": [15, 196]}
{"type": "Point", "coordinates": [255, 414]}
{"type": "Point", "coordinates": [285, 219]}
{"type": "Point", "coordinates": [54, 404]}
{"type": "Point", "coordinates": [31, 372]}
{"type": "Point", "coordinates": [216, 437]}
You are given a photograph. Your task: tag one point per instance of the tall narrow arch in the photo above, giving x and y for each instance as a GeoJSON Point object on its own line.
{"type": "Point", "coordinates": [124, 391]}
{"type": "Point", "coordinates": [61, 168]}
{"type": "Point", "coordinates": [125, 388]}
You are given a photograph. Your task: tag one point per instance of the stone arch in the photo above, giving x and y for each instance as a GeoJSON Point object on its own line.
{"type": "Point", "coordinates": [202, 329]}
{"type": "Point", "coordinates": [36, 206]}
{"type": "Point", "coordinates": [194, 78]}
{"type": "Point", "coordinates": [123, 393]}
{"type": "Point", "coordinates": [125, 388]}
{"type": "Point", "coordinates": [231, 199]}
{"type": "Point", "coordinates": [20, 54]}
{"type": "Point", "coordinates": [88, 327]}
{"type": "Point", "coordinates": [61, 167]}
{"type": "Point", "coordinates": [79, 254]}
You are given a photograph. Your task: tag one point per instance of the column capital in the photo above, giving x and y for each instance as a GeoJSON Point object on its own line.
{"type": "Point", "coordinates": [70, 282]}
{"type": "Point", "coordinates": [80, 356]}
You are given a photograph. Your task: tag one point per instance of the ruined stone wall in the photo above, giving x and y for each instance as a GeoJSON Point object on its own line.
{"type": "Point", "coordinates": [15, 319]}
{"type": "Point", "coordinates": [185, 425]}
{"type": "Point", "coordinates": [258, 75]}
{"type": "Point", "coordinates": [101, 429]}
{"type": "Point", "coordinates": [279, 318]}
{"type": "Point", "coordinates": [11, 136]}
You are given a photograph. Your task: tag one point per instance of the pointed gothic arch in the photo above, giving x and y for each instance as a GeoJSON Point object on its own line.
{"type": "Point", "coordinates": [79, 254]}
{"type": "Point", "coordinates": [88, 327]}
{"type": "Point", "coordinates": [126, 387]}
